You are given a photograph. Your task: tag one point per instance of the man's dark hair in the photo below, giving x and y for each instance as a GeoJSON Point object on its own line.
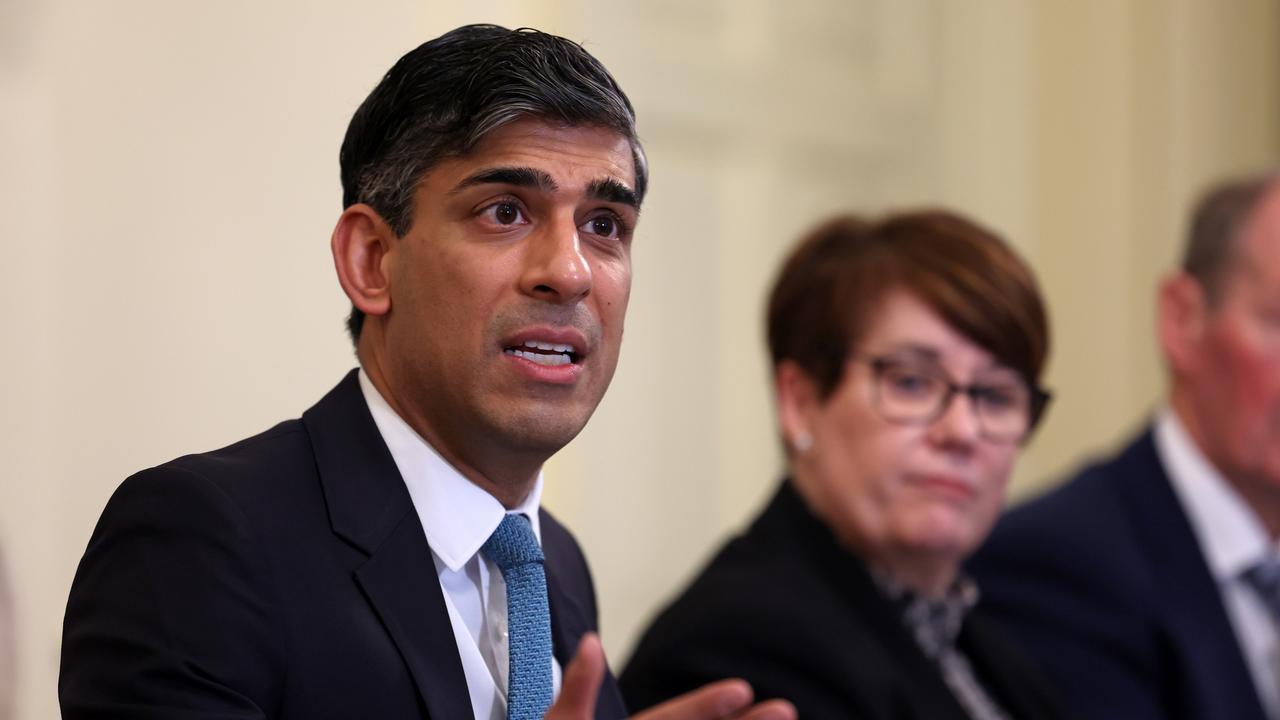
{"type": "Point", "coordinates": [443, 97]}
{"type": "Point", "coordinates": [1216, 223]}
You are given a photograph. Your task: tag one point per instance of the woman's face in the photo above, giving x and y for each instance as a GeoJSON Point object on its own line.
{"type": "Point", "coordinates": [924, 490]}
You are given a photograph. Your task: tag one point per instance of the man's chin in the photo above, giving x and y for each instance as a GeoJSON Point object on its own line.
{"type": "Point", "coordinates": [542, 429]}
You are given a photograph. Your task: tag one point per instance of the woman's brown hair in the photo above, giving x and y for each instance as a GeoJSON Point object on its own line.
{"type": "Point", "coordinates": [822, 301]}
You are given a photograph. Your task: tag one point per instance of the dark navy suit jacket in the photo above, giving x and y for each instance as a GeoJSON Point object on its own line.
{"type": "Point", "coordinates": [1103, 581]}
{"type": "Point", "coordinates": [285, 576]}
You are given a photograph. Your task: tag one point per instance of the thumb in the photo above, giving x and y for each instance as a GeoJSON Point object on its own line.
{"type": "Point", "coordinates": [581, 683]}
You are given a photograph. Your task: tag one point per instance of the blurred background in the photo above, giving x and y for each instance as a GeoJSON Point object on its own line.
{"type": "Point", "coordinates": [170, 179]}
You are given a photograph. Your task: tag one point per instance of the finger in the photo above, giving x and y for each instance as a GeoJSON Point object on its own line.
{"type": "Point", "coordinates": [581, 683]}
{"type": "Point", "coordinates": [721, 699]}
{"type": "Point", "coordinates": [770, 710]}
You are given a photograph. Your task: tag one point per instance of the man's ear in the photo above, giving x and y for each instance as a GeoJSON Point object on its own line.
{"type": "Point", "coordinates": [362, 243]}
{"type": "Point", "coordinates": [1182, 320]}
{"type": "Point", "coordinates": [798, 403]}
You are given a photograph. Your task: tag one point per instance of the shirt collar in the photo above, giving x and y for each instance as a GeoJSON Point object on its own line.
{"type": "Point", "coordinates": [456, 515]}
{"type": "Point", "coordinates": [1230, 533]}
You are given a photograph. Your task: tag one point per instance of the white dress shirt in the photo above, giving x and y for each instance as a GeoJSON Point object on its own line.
{"type": "Point", "coordinates": [1233, 539]}
{"type": "Point", "coordinates": [458, 517]}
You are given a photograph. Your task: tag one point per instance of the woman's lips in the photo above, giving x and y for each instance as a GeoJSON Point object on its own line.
{"type": "Point", "coordinates": [948, 486]}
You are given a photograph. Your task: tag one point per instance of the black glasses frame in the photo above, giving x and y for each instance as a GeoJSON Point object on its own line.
{"type": "Point", "coordinates": [1039, 399]}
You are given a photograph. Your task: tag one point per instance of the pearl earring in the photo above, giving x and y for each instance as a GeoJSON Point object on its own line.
{"type": "Point", "coordinates": [803, 442]}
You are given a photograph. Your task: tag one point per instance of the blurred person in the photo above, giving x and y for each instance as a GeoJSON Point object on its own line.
{"type": "Point", "coordinates": [1148, 585]}
{"type": "Point", "coordinates": [907, 355]}
{"type": "Point", "coordinates": [386, 555]}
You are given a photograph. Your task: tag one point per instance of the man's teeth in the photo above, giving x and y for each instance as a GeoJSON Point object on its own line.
{"type": "Point", "coordinates": [554, 355]}
{"type": "Point", "coordinates": [548, 346]}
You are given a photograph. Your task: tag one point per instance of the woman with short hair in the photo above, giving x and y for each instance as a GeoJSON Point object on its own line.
{"type": "Point", "coordinates": [907, 356]}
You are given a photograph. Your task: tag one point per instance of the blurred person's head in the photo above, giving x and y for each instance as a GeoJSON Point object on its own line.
{"type": "Point", "coordinates": [1219, 323]}
{"type": "Point", "coordinates": [907, 356]}
{"type": "Point", "coordinates": [491, 182]}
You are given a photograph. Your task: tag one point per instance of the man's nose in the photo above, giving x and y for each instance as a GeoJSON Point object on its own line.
{"type": "Point", "coordinates": [555, 269]}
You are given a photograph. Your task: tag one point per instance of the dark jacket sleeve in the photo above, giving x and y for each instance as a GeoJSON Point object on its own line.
{"type": "Point", "coordinates": [170, 613]}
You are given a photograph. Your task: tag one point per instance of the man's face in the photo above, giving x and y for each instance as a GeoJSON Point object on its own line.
{"type": "Point", "coordinates": [1234, 371]}
{"type": "Point", "coordinates": [508, 292]}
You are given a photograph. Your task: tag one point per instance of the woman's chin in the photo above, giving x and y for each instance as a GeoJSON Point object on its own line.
{"type": "Point", "coordinates": [941, 533]}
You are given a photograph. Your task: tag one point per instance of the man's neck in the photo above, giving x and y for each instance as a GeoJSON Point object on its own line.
{"type": "Point", "coordinates": [510, 483]}
{"type": "Point", "coordinates": [1261, 496]}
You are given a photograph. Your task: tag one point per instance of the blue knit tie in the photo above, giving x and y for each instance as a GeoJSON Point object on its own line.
{"type": "Point", "coordinates": [514, 549]}
{"type": "Point", "coordinates": [1264, 578]}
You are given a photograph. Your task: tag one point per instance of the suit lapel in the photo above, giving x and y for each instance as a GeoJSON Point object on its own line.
{"type": "Point", "coordinates": [1190, 599]}
{"type": "Point", "coordinates": [370, 508]}
{"type": "Point", "coordinates": [408, 598]}
{"type": "Point", "coordinates": [919, 681]}
{"type": "Point", "coordinates": [568, 624]}
{"type": "Point", "coordinates": [568, 588]}
{"type": "Point", "coordinates": [1005, 673]}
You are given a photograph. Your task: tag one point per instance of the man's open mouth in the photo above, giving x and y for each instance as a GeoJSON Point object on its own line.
{"type": "Point", "coordinates": [544, 353]}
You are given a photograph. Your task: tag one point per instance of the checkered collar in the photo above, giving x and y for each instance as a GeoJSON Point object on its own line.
{"type": "Point", "coordinates": [935, 622]}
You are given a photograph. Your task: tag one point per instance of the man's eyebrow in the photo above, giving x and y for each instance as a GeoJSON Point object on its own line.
{"type": "Point", "coordinates": [610, 190]}
{"type": "Point", "coordinates": [606, 189]}
{"type": "Point", "coordinates": [517, 176]}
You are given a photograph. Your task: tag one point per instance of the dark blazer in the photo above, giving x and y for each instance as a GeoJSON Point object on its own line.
{"type": "Point", "coordinates": [786, 608]}
{"type": "Point", "coordinates": [285, 576]}
{"type": "Point", "coordinates": [1102, 580]}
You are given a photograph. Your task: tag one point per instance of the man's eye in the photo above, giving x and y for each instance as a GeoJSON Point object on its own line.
{"type": "Point", "coordinates": [503, 213]}
{"type": "Point", "coordinates": [605, 226]}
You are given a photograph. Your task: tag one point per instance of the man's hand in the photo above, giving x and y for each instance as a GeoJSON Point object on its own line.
{"type": "Point", "coordinates": [724, 700]}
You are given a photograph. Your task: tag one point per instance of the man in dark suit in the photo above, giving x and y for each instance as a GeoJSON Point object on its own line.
{"type": "Point", "coordinates": [1148, 585]}
{"type": "Point", "coordinates": [385, 556]}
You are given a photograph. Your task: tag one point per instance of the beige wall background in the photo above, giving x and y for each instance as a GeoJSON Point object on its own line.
{"type": "Point", "coordinates": [169, 175]}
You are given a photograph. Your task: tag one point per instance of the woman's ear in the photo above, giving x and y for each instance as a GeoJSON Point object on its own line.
{"type": "Point", "coordinates": [362, 245]}
{"type": "Point", "coordinates": [798, 404]}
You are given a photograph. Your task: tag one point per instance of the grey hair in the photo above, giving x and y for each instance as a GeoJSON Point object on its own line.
{"type": "Point", "coordinates": [1216, 223]}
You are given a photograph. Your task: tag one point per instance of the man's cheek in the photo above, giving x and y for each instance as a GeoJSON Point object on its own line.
{"type": "Point", "coordinates": [1271, 463]}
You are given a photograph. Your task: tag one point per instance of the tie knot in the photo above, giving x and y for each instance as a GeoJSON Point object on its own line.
{"type": "Point", "coordinates": [1265, 576]}
{"type": "Point", "coordinates": [513, 544]}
